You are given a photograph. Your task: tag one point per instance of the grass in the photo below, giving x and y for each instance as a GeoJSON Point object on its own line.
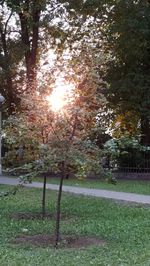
{"type": "Point", "coordinates": [133, 186]}
{"type": "Point", "coordinates": [125, 228]}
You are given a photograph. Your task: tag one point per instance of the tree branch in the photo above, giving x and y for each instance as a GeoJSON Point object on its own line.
{"type": "Point", "coordinates": [5, 28]}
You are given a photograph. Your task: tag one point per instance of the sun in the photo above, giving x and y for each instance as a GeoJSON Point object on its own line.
{"type": "Point", "coordinates": [57, 99]}
{"type": "Point", "coordinates": [60, 96]}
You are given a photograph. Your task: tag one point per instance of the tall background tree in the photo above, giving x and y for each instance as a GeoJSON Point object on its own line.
{"type": "Point", "coordinates": [128, 67]}
{"type": "Point", "coordinates": [9, 59]}
{"type": "Point", "coordinates": [27, 31]}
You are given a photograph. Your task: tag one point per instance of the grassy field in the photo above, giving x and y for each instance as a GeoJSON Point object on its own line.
{"type": "Point", "coordinates": [133, 186]}
{"type": "Point", "coordinates": [125, 228]}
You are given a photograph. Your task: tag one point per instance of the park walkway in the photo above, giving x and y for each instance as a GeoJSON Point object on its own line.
{"type": "Point", "coordinates": [121, 196]}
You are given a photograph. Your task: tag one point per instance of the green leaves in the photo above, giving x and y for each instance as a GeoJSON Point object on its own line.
{"type": "Point", "coordinates": [128, 65]}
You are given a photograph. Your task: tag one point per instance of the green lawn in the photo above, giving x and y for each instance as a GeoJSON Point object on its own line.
{"type": "Point", "coordinates": [140, 187]}
{"type": "Point", "coordinates": [125, 229]}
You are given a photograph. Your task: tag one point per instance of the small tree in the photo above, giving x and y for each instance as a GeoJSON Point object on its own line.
{"type": "Point", "coordinates": [60, 141]}
{"type": "Point", "coordinates": [70, 148]}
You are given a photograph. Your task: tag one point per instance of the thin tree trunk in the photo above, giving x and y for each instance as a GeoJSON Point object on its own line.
{"type": "Point", "coordinates": [44, 197]}
{"type": "Point", "coordinates": [58, 210]}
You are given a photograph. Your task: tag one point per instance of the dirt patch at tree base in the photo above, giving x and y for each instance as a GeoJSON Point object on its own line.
{"type": "Point", "coordinates": [66, 241]}
{"type": "Point", "coordinates": [36, 216]}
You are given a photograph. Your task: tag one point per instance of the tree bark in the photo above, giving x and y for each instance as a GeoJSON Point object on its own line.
{"type": "Point", "coordinates": [58, 210]}
{"type": "Point", "coordinates": [11, 97]}
{"type": "Point", "coordinates": [30, 38]}
{"type": "Point", "coordinates": [44, 197]}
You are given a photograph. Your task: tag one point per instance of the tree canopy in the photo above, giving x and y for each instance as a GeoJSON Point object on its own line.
{"type": "Point", "coordinates": [109, 39]}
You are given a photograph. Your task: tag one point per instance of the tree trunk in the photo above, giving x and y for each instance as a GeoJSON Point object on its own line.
{"type": "Point", "coordinates": [11, 97]}
{"type": "Point", "coordinates": [44, 197]}
{"type": "Point", "coordinates": [145, 131]}
{"type": "Point", "coordinates": [58, 210]}
{"type": "Point", "coordinates": [30, 38]}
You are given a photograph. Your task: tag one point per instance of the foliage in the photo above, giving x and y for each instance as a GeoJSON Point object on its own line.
{"type": "Point", "coordinates": [28, 30]}
{"type": "Point", "coordinates": [127, 72]}
{"type": "Point", "coordinates": [49, 138]}
{"type": "Point", "coordinates": [95, 44]}
{"type": "Point", "coordinates": [115, 145]}
{"type": "Point", "coordinates": [126, 151]}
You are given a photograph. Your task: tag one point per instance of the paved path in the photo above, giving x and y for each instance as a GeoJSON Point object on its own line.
{"type": "Point", "coordinates": [123, 196]}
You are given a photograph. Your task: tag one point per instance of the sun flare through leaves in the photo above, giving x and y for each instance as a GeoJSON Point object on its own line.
{"type": "Point", "coordinates": [61, 95]}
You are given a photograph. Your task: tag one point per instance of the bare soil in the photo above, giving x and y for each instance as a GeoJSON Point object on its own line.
{"type": "Point", "coordinates": [66, 241]}
{"type": "Point", "coordinates": [37, 215]}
